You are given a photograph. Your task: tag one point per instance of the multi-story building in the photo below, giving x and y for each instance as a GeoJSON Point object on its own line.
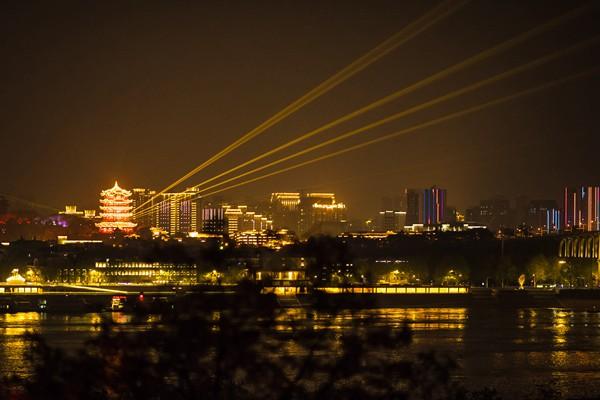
{"type": "Point", "coordinates": [284, 210]}
{"type": "Point", "coordinates": [414, 207]}
{"type": "Point", "coordinates": [434, 206]}
{"type": "Point", "coordinates": [144, 198]}
{"type": "Point", "coordinates": [109, 271]}
{"type": "Point", "coordinates": [239, 219]}
{"type": "Point", "coordinates": [320, 213]}
{"type": "Point", "coordinates": [581, 208]}
{"type": "Point", "coordinates": [427, 206]}
{"type": "Point", "coordinates": [495, 213]}
{"type": "Point", "coordinates": [392, 220]}
{"type": "Point", "coordinates": [214, 220]}
{"type": "Point", "coordinates": [116, 210]}
{"type": "Point", "coordinates": [305, 213]}
{"type": "Point", "coordinates": [177, 213]}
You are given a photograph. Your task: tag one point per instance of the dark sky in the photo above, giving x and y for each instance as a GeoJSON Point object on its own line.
{"type": "Point", "coordinates": [144, 91]}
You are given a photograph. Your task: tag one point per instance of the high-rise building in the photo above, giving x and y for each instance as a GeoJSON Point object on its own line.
{"type": "Point", "coordinates": [116, 208]}
{"type": "Point", "coordinates": [320, 213]}
{"type": "Point", "coordinates": [581, 208]}
{"type": "Point", "coordinates": [427, 206]}
{"type": "Point", "coordinates": [146, 216]}
{"type": "Point", "coordinates": [177, 213]}
{"type": "Point", "coordinates": [414, 207]}
{"type": "Point", "coordinates": [214, 220]}
{"type": "Point", "coordinates": [392, 220]}
{"type": "Point", "coordinates": [285, 211]}
{"type": "Point", "coordinates": [434, 206]}
{"type": "Point", "coordinates": [306, 213]}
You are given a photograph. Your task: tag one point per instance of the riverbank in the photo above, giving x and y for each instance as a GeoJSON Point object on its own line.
{"type": "Point", "coordinates": [80, 299]}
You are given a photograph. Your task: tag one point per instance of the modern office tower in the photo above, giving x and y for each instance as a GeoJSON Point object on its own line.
{"type": "Point", "coordinates": [177, 213]}
{"type": "Point", "coordinates": [427, 206]}
{"type": "Point", "coordinates": [140, 196]}
{"type": "Point", "coordinates": [392, 220]}
{"type": "Point", "coordinates": [538, 215]}
{"type": "Point", "coordinates": [414, 207]}
{"type": "Point", "coordinates": [214, 220]}
{"type": "Point", "coordinates": [116, 208]}
{"type": "Point", "coordinates": [284, 210]}
{"type": "Point", "coordinates": [434, 206]}
{"type": "Point", "coordinates": [306, 213]}
{"type": "Point", "coordinates": [321, 214]}
{"type": "Point", "coordinates": [581, 208]}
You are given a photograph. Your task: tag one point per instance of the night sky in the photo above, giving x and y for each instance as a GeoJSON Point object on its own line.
{"type": "Point", "coordinates": [144, 91]}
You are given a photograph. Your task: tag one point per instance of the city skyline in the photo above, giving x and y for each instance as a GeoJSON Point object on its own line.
{"type": "Point", "coordinates": [326, 199]}
{"type": "Point", "coordinates": [146, 114]}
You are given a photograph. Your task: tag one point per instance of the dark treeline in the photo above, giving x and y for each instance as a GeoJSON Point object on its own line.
{"type": "Point", "coordinates": [474, 257]}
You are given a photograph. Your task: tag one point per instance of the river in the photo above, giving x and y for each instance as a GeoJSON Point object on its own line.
{"type": "Point", "coordinates": [510, 349]}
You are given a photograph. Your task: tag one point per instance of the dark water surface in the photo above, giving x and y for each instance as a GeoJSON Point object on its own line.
{"type": "Point", "coordinates": [513, 350]}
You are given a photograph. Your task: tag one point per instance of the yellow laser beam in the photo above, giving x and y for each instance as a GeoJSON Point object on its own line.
{"type": "Point", "coordinates": [420, 107]}
{"type": "Point", "coordinates": [479, 57]}
{"type": "Point", "coordinates": [440, 12]}
{"type": "Point", "coordinates": [417, 127]}
{"type": "Point", "coordinates": [29, 203]}
{"type": "Point", "coordinates": [396, 95]}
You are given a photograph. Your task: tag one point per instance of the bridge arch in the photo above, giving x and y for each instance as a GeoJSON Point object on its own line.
{"type": "Point", "coordinates": [562, 248]}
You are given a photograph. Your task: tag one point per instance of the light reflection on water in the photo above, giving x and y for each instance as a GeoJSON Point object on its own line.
{"type": "Point", "coordinates": [512, 349]}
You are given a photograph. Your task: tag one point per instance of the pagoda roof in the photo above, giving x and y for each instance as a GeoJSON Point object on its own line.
{"type": "Point", "coordinates": [116, 190]}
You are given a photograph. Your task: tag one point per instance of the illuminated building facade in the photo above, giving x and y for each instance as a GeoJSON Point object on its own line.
{"type": "Point", "coordinates": [305, 213]}
{"type": "Point", "coordinates": [427, 206]}
{"type": "Point", "coordinates": [320, 213]}
{"type": "Point", "coordinates": [107, 272]}
{"type": "Point", "coordinates": [239, 219]}
{"type": "Point", "coordinates": [285, 210]}
{"type": "Point", "coordinates": [177, 213]}
{"type": "Point", "coordinates": [140, 196]}
{"type": "Point", "coordinates": [434, 206]}
{"type": "Point", "coordinates": [116, 208]}
{"type": "Point", "coordinates": [392, 220]}
{"type": "Point", "coordinates": [581, 208]}
{"type": "Point", "coordinates": [214, 220]}
{"type": "Point", "coordinates": [71, 210]}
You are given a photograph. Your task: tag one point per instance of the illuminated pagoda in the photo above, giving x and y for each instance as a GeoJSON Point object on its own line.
{"type": "Point", "coordinates": [116, 210]}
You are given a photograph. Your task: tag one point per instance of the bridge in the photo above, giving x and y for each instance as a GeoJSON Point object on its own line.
{"type": "Point", "coordinates": [581, 246]}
